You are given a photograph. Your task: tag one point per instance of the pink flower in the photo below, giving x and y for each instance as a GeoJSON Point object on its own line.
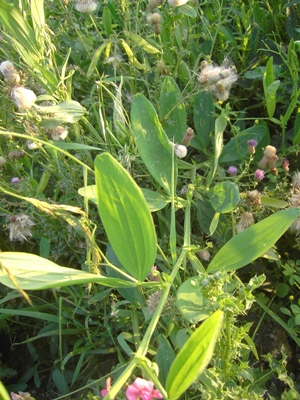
{"type": "Point", "coordinates": [105, 391]}
{"type": "Point", "coordinates": [142, 389]}
{"type": "Point", "coordinates": [232, 170]}
{"type": "Point", "coordinates": [259, 175]}
{"type": "Point", "coordinates": [15, 179]}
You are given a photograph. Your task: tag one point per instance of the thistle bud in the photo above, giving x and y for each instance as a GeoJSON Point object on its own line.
{"type": "Point", "coordinates": [245, 221]}
{"type": "Point", "coordinates": [2, 161]}
{"type": "Point", "coordinates": [188, 136]}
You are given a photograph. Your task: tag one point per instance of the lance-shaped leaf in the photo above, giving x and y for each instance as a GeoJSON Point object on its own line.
{"type": "Point", "coordinates": [125, 216]}
{"type": "Point", "coordinates": [153, 143]}
{"type": "Point", "coordinates": [66, 112]}
{"type": "Point", "coordinates": [27, 271]}
{"type": "Point", "coordinates": [194, 356]}
{"type": "Point", "coordinates": [172, 111]}
{"type": "Point", "coordinates": [253, 242]}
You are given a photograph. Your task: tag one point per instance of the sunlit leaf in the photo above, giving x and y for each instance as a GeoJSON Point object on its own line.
{"type": "Point", "coordinates": [125, 216]}
{"type": "Point", "coordinates": [194, 356]}
{"type": "Point", "coordinates": [253, 242]}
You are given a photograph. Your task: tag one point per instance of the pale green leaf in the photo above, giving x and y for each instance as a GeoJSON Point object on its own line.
{"type": "Point", "coordinates": [253, 242]}
{"type": "Point", "coordinates": [30, 272]}
{"type": "Point", "coordinates": [125, 216]}
{"type": "Point", "coordinates": [194, 356]}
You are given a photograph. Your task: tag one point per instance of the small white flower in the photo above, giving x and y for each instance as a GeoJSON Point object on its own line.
{"type": "Point", "coordinates": [85, 6]}
{"type": "Point", "coordinates": [20, 227]}
{"type": "Point", "coordinates": [180, 150]}
{"type": "Point", "coordinates": [6, 66]}
{"type": "Point", "coordinates": [22, 97]}
{"type": "Point", "coordinates": [177, 3]}
{"type": "Point", "coordinates": [2, 161]}
{"type": "Point", "coordinates": [59, 132]}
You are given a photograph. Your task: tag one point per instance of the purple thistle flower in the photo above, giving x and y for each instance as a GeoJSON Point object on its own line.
{"type": "Point", "coordinates": [232, 170]}
{"type": "Point", "coordinates": [15, 180]}
{"type": "Point", "coordinates": [252, 142]}
{"type": "Point", "coordinates": [259, 175]}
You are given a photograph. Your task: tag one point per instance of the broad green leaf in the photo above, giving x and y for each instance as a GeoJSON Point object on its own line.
{"type": "Point", "coordinates": [214, 223]}
{"type": "Point", "coordinates": [184, 72]}
{"type": "Point", "coordinates": [146, 46]}
{"type": "Point", "coordinates": [270, 96]}
{"type": "Point", "coordinates": [205, 214]}
{"type": "Point", "coordinates": [172, 112]}
{"type": "Point", "coordinates": [30, 272]}
{"type": "Point", "coordinates": [152, 142]}
{"type": "Point", "coordinates": [224, 196]}
{"type": "Point", "coordinates": [125, 216]}
{"type": "Point", "coordinates": [155, 200]}
{"type": "Point", "coordinates": [66, 112]}
{"type": "Point", "coordinates": [133, 295]}
{"type": "Point", "coordinates": [90, 192]}
{"type": "Point", "coordinates": [270, 202]}
{"type": "Point", "coordinates": [270, 87]}
{"type": "Point", "coordinates": [95, 59]}
{"type": "Point", "coordinates": [220, 125]}
{"type": "Point", "coordinates": [194, 356]}
{"type": "Point", "coordinates": [164, 358]}
{"type": "Point", "coordinates": [191, 302]}
{"type": "Point", "coordinates": [187, 10]}
{"type": "Point", "coordinates": [237, 147]}
{"type": "Point", "coordinates": [253, 242]}
{"type": "Point", "coordinates": [106, 20]}
{"type": "Point", "coordinates": [204, 119]}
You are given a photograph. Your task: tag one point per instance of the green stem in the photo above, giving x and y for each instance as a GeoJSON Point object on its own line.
{"type": "Point", "coordinates": [143, 348]}
{"type": "Point", "coordinates": [228, 326]}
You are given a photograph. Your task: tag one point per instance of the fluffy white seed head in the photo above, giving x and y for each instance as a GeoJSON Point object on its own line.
{"type": "Point", "coordinates": [85, 6]}
{"type": "Point", "coordinates": [22, 97]}
{"type": "Point", "coordinates": [10, 74]}
{"type": "Point", "coordinates": [60, 132]}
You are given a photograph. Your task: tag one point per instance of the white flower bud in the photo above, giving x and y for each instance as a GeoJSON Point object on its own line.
{"type": "Point", "coordinates": [2, 161]}
{"type": "Point", "coordinates": [177, 3]}
{"type": "Point", "coordinates": [180, 150]}
{"type": "Point", "coordinates": [23, 98]}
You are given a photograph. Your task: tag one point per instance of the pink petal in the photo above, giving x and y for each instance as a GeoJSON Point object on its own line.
{"type": "Point", "coordinates": [156, 394]}
{"type": "Point", "coordinates": [132, 393]}
{"type": "Point", "coordinates": [142, 384]}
